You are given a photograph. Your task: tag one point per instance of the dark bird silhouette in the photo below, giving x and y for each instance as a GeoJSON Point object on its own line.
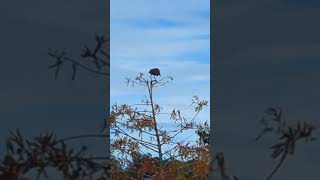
{"type": "Point", "coordinates": [155, 72]}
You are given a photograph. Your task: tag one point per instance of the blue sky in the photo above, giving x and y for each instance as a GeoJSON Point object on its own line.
{"type": "Point", "coordinates": [171, 35]}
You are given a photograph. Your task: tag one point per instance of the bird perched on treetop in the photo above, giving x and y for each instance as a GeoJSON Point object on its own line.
{"type": "Point", "coordinates": [155, 72]}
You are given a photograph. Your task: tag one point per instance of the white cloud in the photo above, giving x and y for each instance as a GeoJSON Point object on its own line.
{"type": "Point", "coordinates": [173, 10]}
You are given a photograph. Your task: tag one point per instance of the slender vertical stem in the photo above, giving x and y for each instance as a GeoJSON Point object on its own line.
{"type": "Point", "coordinates": [277, 166]}
{"type": "Point", "coordinates": [150, 86]}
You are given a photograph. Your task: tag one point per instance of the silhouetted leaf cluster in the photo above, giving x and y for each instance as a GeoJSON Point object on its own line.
{"type": "Point", "coordinates": [288, 135]}
{"type": "Point", "coordinates": [92, 59]}
{"type": "Point", "coordinates": [46, 151]}
{"type": "Point", "coordinates": [203, 132]}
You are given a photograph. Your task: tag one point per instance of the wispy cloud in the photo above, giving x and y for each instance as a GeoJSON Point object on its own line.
{"type": "Point", "coordinates": [149, 23]}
